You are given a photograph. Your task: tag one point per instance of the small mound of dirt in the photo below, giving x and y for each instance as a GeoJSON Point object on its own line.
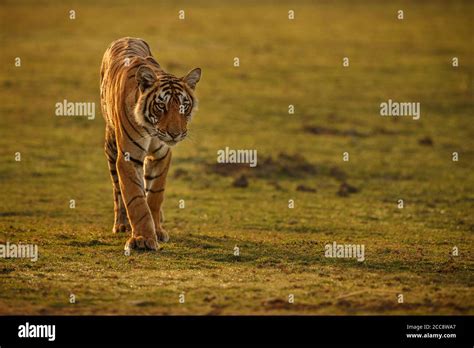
{"type": "Point", "coordinates": [89, 243]}
{"type": "Point", "coordinates": [337, 173]}
{"type": "Point", "coordinates": [242, 182]}
{"type": "Point", "coordinates": [345, 189]}
{"type": "Point", "coordinates": [180, 173]}
{"type": "Point", "coordinates": [229, 169]}
{"type": "Point", "coordinates": [292, 166]}
{"type": "Point", "coordinates": [427, 141]}
{"type": "Point", "coordinates": [318, 130]}
{"type": "Point", "coordinates": [276, 185]}
{"type": "Point", "coordinates": [276, 303]}
{"type": "Point", "coordinates": [304, 188]}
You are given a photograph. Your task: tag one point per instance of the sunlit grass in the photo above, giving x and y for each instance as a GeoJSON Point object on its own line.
{"type": "Point", "coordinates": [281, 250]}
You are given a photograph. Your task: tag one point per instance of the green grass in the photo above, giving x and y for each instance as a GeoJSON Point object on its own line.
{"type": "Point", "coordinates": [283, 62]}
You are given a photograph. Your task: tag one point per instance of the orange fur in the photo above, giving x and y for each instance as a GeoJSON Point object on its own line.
{"type": "Point", "coordinates": [146, 111]}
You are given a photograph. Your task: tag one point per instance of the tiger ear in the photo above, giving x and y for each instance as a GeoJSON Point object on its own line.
{"type": "Point", "coordinates": [153, 60]}
{"type": "Point", "coordinates": [193, 77]}
{"type": "Point", "coordinates": [145, 77]}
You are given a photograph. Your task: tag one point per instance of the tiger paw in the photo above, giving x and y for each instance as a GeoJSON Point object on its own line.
{"type": "Point", "coordinates": [162, 235]}
{"type": "Point", "coordinates": [141, 242]}
{"type": "Point", "coordinates": [121, 228]}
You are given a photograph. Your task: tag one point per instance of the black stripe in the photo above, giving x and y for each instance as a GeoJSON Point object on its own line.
{"type": "Point", "coordinates": [149, 112]}
{"type": "Point", "coordinates": [140, 219]}
{"type": "Point", "coordinates": [130, 123]}
{"type": "Point", "coordinates": [145, 104]}
{"type": "Point", "coordinates": [136, 182]}
{"type": "Point", "coordinates": [110, 143]}
{"type": "Point", "coordinates": [161, 158]}
{"type": "Point", "coordinates": [159, 148]}
{"type": "Point", "coordinates": [131, 200]}
{"type": "Point", "coordinates": [140, 163]}
{"type": "Point", "coordinates": [110, 150]}
{"type": "Point", "coordinates": [153, 177]}
{"type": "Point", "coordinates": [134, 160]}
{"type": "Point", "coordinates": [109, 147]}
{"type": "Point", "coordinates": [192, 99]}
{"type": "Point", "coordinates": [133, 141]}
{"type": "Point", "coordinates": [146, 119]}
{"type": "Point", "coordinates": [155, 191]}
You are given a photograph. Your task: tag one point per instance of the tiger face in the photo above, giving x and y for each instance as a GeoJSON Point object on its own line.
{"type": "Point", "coordinates": [166, 103]}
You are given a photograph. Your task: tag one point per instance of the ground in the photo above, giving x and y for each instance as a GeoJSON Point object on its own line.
{"type": "Point", "coordinates": [408, 251]}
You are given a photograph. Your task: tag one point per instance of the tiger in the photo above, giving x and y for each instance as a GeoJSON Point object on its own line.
{"type": "Point", "coordinates": [146, 112]}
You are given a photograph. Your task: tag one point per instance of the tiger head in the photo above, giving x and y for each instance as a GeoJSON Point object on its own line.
{"type": "Point", "coordinates": [166, 103]}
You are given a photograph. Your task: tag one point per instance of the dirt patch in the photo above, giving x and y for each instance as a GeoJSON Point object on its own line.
{"type": "Point", "coordinates": [427, 141]}
{"type": "Point", "coordinates": [294, 166]}
{"type": "Point", "coordinates": [278, 303]}
{"type": "Point", "coordinates": [337, 173]}
{"type": "Point", "coordinates": [16, 213]}
{"type": "Point", "coordinates": [319, 130]}
{"type": "Point", "coordinates": [283, 165]}
{"type": "Point", "coordinates": [90, 243]}
{"type": "Point", "coordinates": [345, 190]}
{"type": "Point", "coordinates": [144, 303]}
{"type": "Point", "coordinates": [276, 185]}
{"type": "Point", "coordinates": [241, 182]}
{"type": "Point", "coordinates": [351, 132]}
{"type": "Point", "coordinates": [6, 270]}
{"type": "Point", "coordinates": [385, 131]}
{"type": "Point", "coordinates": [180, 173]}
{"type": "Point", "coordinates": [304, 188]}
{"type": "Point", "coordinates": [229, 169]}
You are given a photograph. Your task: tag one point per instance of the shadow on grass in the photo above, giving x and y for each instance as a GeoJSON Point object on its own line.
{"type": "Point", "coordinates": [298, 256]}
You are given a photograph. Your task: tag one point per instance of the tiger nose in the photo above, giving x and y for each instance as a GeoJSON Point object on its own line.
{"type": "Point", "coordinates": [174, 135]}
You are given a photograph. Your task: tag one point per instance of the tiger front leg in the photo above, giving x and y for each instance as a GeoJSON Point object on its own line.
{"type": "Point", "coordinates": [156, 170]}
{"type": "Point", "coordinates": [121, 223]}
{"type": "Point", "coordinates": [139, 215]}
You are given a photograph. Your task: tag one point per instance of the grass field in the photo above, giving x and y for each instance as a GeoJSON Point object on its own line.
{"type": "Point", "coordinates": [407, 251]}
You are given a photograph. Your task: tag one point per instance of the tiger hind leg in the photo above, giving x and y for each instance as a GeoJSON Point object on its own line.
{"type": "Point", "coordinates": [121, 222]}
